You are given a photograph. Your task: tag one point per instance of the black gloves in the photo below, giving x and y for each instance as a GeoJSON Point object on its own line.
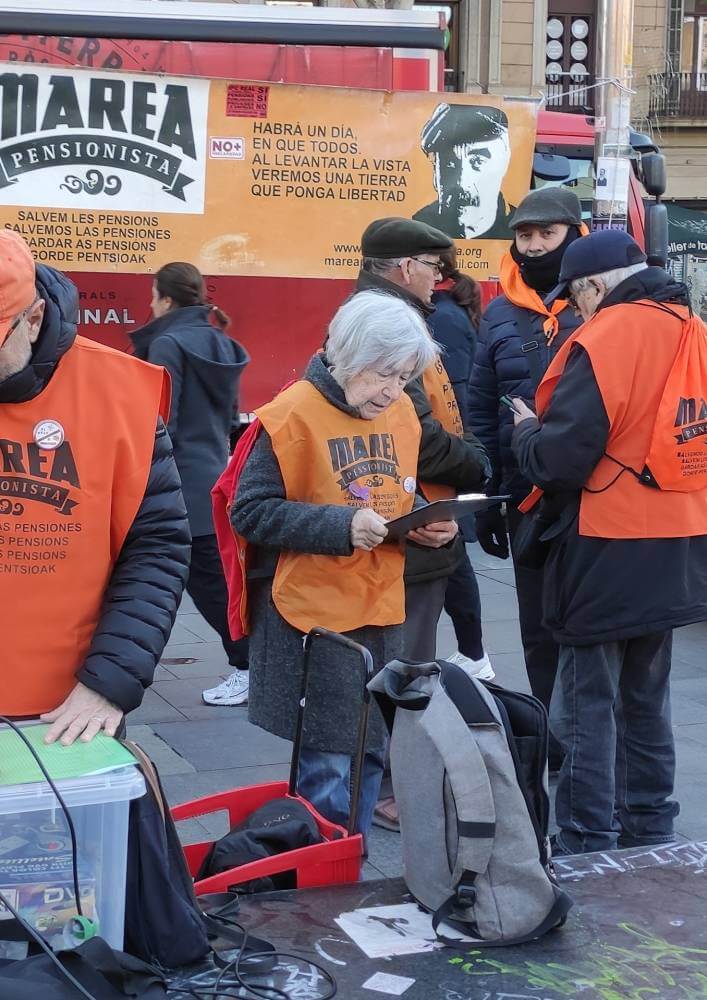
{"type": "Point", "coordinates": [492, 533]}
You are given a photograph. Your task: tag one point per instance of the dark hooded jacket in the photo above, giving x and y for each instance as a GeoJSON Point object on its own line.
{"type": "Point", "coordinates": [458, 462]}
{"type": "Point", "coordinates": [205, 366]}
{"type": "Point", "coordinates": [146, 585]}
{"type": "Point", "coordinates": [601, 590]}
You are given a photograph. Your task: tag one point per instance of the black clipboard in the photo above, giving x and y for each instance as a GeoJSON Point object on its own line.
{"type": "Point", "coordinates": [440, 510]}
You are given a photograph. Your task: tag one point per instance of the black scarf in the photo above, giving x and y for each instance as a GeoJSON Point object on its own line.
{"type": "Point", "coordinates": [543, 273]}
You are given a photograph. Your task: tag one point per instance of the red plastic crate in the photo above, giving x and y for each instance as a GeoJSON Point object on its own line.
{"type": "Point", "coordinates": [336, 860]}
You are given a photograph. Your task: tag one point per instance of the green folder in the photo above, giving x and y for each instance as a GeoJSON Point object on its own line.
{"type": "Point", "coordinates": [17, 765]}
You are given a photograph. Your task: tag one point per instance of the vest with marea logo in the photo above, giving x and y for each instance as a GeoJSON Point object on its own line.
{"type": "Point", "coordinates": [327, 456]}
{"type": "Point", "coordinates": [74, 465]}
{"type": "Point", "coordinates": [632, 348]}
{"type": "Point", "coordinates": [445, 409]}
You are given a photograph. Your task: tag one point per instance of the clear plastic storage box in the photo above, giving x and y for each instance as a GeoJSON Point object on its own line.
{"type": "Point", "coordinates": [35, 852]}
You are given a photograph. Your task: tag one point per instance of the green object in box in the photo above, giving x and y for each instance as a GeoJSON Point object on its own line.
{"type": "Point", "coordinates": [18, 767]}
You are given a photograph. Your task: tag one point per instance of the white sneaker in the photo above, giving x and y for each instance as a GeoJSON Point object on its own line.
{"type": "Point", "coordinates": [480, 669]}
{"type": "Point", "coordinates": [233, 691]}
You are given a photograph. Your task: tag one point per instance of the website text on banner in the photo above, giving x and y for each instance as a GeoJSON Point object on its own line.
{"type": "Point", "coordinates": [104, 171]}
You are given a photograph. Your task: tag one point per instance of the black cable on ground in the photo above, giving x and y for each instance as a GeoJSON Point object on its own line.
{"type": "Point", "coordinates": [222, 989]}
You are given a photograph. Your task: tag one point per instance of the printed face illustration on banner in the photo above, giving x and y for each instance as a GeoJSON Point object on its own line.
{"type": "Point", "coordinates": [470, 152]}
{"type": "Point", "coordinates": [98, 169]}
{"type": "Point", "coordinates": [86, 140]}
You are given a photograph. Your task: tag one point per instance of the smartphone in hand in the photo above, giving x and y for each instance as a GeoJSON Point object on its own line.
{"type": "Point", "coordinates": [507, 401]}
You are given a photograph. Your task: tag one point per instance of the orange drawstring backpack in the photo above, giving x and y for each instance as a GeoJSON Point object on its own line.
{"type": "Point", "coordinates": [677, 456]}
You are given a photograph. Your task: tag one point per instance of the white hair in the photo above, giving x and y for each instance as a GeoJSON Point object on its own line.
{"type": "Point", "coordinates": [373, 330]}
{"type": "Point", "coordinates": [610, 279]}
{"type": "Point", "coordinates": [381, 265]}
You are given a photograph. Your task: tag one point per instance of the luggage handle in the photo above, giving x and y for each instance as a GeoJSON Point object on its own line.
{"type": "Point", "coordinates": [367, 663]}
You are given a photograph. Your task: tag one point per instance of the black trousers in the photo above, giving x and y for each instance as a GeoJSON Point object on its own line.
{"type": "Point", "coordinates": [463, 605]}
{"type": "Point", "coordinates": [423, 607]}
{"type": "Point", "coordinates": [540, 649]}
{"type": "Point", "coordinates": [207, 588]}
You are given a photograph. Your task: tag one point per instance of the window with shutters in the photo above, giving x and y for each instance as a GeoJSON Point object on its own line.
{"type": "Point", "coordinates": [569, 55]}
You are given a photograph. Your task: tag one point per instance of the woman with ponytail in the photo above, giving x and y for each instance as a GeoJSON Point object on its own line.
{"type": "Point", "coordinates": [187, 336]}
{"type": "Point", "coordinates": [455, 325]}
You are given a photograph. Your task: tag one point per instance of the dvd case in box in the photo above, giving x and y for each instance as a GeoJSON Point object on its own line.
{"type": "Point", "coordinates": [35, 852]}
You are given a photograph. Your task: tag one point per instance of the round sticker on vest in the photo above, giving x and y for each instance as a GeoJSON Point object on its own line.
{"type": "Point", "coordinates": [48, 434]}
{"type": "Point", "coordinates": [409, 484]}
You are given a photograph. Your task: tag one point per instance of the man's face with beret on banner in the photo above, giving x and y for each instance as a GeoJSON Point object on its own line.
{"type": "Point", "coordinates": [469, 147]}
{"type": "Point", "coordinates": [468, 180]}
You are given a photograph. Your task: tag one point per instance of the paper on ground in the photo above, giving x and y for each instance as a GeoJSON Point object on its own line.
{"type": "Point", "coordinates": [384, 931]}
{"type": "Point", "coordinates": [394, 986]}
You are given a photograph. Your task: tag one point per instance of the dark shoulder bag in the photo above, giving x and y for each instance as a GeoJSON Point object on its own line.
{"type": "Point", "coordinates": [105, 974]}
{"type": "Point", "coordinates": [163, 921]}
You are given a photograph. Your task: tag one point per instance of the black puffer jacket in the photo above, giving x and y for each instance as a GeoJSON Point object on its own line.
{"type": "Point", "coordinates": [601, 590]}
{"type": "Point", "coordinates": [459, 462]}
{"type": "Point", "coordinates": [502, 368]}
{"type": "Point", "coordinates": [148, 578]}
{"type": "Point", "coordinates": [205, 366]}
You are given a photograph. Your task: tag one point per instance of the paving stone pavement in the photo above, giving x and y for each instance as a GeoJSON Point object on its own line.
{"type": "Point", "coordinates": [201, 750]}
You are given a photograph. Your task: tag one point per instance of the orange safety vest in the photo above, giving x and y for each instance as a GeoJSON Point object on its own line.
{"type": "Point", "coordinates": [74, 464]}
{"type": "Point", "coordinates": [329, 457]}
{"type": "Point", "coordinates": [632, 350]}
{"type": "Point", "coordinates": [445, 409]}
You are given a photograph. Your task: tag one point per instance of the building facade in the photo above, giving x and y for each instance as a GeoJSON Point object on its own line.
{"type": "Point", "coordinates": [529, 48]}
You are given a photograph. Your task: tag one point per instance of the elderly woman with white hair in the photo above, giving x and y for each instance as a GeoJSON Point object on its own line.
{"type": "Point", "coordinates": [335, 460]}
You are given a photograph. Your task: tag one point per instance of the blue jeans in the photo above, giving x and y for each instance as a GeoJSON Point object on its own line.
{"type": "Point", "coordinates": [610, 711]}
{"type": "Point", "coordinates": [325, 781]}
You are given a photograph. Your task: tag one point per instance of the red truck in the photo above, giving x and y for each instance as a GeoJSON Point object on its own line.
{"type": "Point", "coordinates": [280, 319]}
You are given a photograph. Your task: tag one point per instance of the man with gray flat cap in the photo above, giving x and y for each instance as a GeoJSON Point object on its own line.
{"type": "Point", "coordinates": [401, 257]}
{"type": "Point", "coordinates": [470, 151]}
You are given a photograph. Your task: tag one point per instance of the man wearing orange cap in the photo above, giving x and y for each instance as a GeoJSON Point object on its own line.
{"type": "Point", "coordinates": [94, 542]}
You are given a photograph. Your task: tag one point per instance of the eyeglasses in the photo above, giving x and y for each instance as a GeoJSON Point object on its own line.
{"type": "Point", "coordinates": [18, 319]}
{"type": "Point", "coordinates": [435, 265]}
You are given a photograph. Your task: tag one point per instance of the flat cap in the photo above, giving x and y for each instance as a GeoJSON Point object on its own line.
{"type": "Point", "coordinates": [457, 124]}
{"type": "Point", "coordinates": [547, 205]}
{"type": "Point", "coordinates": [398, 237]}
{"type": "Point", "coordinates": [605, 250]}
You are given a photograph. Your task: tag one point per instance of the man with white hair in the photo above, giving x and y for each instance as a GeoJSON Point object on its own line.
{"type": "Point", "coordinates": [627, 558]}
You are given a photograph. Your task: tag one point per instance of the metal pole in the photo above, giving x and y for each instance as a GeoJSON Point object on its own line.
{"type": "Point", "coordinates": [612, 155]}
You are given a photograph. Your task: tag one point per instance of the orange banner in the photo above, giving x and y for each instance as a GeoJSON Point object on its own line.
{"type": "Point", "coordinates": [106, 171]}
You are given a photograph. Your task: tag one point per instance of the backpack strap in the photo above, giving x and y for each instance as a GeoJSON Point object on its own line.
{"type": "Point", "coordinates": [149, 773]}
{"type": "Point", "coordinates": [445, 915]}
{"type": "Point", "coordinates": [530, 348]}
{"type": "Point", "coordinates": [471, 789]}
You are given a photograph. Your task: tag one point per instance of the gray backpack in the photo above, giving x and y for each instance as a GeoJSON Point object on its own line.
{"type": "Point", "coordinates": [469, 767]}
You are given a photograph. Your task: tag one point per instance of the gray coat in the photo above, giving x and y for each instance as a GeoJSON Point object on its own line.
{"type": "Point", "coordinates": [262, 515]}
